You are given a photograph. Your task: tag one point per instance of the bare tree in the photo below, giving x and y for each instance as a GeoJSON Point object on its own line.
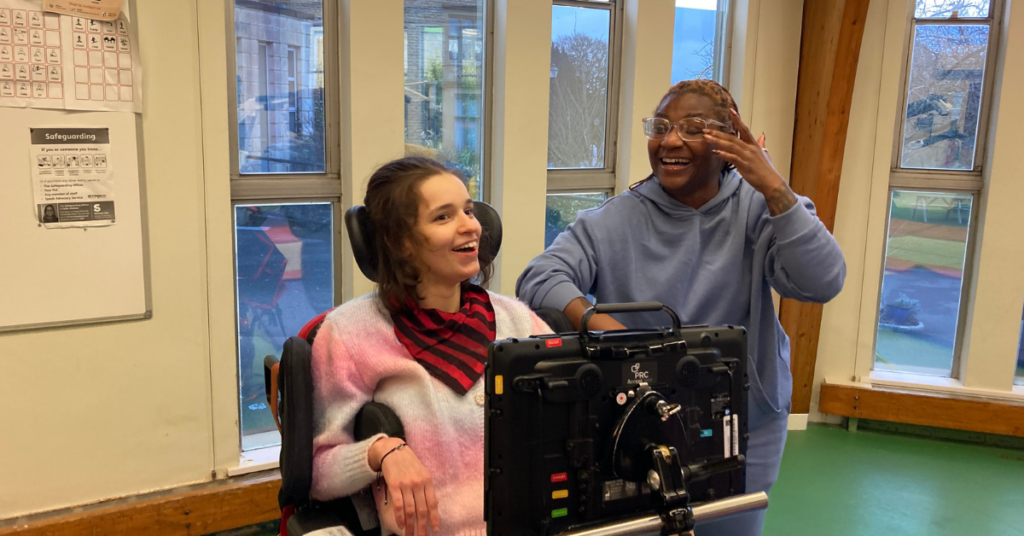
{"type": "Point", "coordinates": [944, 55]}
{"type": "Point", "coordinates": [941, 9]}
{"type": "Point", "coordinates": [579, 100]}
{"type": "Point", "coordinates": [706, 54]}
{"type": "Point", "coordinates": [946, 77]}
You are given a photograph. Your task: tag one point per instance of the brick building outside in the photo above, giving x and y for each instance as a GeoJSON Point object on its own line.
{"type": "Point", "coordinates": [279, 68]}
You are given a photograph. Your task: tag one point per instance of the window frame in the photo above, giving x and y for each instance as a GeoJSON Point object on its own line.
{"type": "Point", "coordinates": [487, 106]}
{"type": "Point", "coordinates": [294, 88]}
{"type": "Point", "coordinates": [969, 182]}
{"type": "Point", "coordinates": [290, 188]}
{"type": "Point", "coordinates": [597, 179]}
{"type": "Point", "coordinates": [723, 34]}
{"type": "Point", "coordinates": [263, 59]}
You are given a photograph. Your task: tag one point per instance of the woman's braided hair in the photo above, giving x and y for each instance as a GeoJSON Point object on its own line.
{"type": "Point", "coordinates": [715, 92]}
{"type": "Point", "coordinates": [710, 89]}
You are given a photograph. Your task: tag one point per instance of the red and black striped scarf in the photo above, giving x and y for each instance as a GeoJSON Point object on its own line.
{"type": "Point", "coordinates": [451, 346]}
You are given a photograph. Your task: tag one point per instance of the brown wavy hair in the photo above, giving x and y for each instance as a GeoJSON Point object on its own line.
{"type": "Point", "coordinates": [719, 96]}
{"type": "Point", "coordinates": [392, 202]}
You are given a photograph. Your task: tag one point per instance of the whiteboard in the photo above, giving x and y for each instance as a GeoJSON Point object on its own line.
{"type": "Point", "coordinates": [54, 277]}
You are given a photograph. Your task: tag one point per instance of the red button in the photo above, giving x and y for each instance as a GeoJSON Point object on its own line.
{"type": "Point", "coordinates": [552, 343]}
{"type": "Point", "coordinates": [559, 477]}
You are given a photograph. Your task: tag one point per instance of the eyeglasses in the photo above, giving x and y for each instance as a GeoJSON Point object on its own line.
{"type": "Point", "coordinates": [689, 129]}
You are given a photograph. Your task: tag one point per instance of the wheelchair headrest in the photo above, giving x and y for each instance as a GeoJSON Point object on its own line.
{"type": "Point", "coordinates": [360, 234]}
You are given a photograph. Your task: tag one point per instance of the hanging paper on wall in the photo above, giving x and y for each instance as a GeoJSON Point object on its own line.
{"type": "Point", "coordinates": [72, 177]}
{"type": "Point", "coordinates": [67, 62]}
{"type": "Point", "coordinates": [93, 9]}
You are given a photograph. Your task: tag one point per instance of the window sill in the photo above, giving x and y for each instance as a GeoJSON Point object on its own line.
{"type": "Point", "coordinates": [256, 460]}
{"type": "Point", "coordinates": [936, 385]}
{"type": "Point", "coordinates": [925, 407]}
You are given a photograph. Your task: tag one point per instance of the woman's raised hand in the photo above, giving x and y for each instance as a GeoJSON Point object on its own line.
{"type": "Point", "coordinates": [409, 486]}
{"type": "Point", "coordinates": [752, 163]}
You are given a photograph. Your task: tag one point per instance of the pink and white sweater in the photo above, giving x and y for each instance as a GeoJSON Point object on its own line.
{"type": "Point", "coordinates": [357, 358]}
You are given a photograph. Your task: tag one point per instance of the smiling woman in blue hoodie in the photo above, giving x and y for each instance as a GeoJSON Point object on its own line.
{"type": "Point", "coordinates": [709, 233]}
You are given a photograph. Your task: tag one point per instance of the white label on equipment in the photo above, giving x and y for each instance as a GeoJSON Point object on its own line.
{"type": "Point", "coordinates": [736, 435]}
{"type": "Point", "coordinates": [726, 437]}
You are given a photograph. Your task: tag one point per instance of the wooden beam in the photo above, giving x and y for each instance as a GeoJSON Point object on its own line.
{"type": "Point", "coordinates": [937, 410]}
{"type": "Point", "coordinates": [829, 51]}
{"type": "Point", "coordinates": [210, 509]}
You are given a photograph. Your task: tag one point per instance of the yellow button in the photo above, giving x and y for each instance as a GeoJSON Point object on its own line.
{"type": "Point", "coordinates": [560, 494]}
{"type": "Point", "coordinates": [499, 385]}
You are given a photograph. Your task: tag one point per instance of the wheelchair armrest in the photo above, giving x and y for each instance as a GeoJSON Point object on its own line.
{"type": "Point", "coordinates": [271, 368]}
{"type": "Point", "coordinates": [376, 418]}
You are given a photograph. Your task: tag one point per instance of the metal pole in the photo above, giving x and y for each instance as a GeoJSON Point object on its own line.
{"type": "Point", "coordinates": [704, 513]}
{"type": "Point", "coordinates": [729, 507]}
{"type": "Point", "coordinates": [633, 527]}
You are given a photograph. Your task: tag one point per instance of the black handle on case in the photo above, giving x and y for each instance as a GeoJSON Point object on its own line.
{"type": "Point", "coordinates": [698, 472]}
{"type": "Point", "coordinates": [636, 307]}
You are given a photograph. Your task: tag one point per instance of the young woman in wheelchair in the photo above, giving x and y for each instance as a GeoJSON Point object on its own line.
{"type": "Point", "coordinates": [418, 345]}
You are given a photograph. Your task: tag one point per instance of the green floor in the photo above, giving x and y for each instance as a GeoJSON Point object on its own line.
{"type": "Point", "coordinates": [867, 483]}
{"type": "Point", "coordinates": [838, 483]}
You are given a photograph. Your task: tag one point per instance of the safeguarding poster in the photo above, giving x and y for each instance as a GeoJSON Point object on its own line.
{"type": "Point", "coordinates": [72, 177]}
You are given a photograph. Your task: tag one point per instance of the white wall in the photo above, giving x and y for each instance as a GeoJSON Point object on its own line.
{"type": "Point", "coordinates": [104, 411]}
{"type": "Point", "coordinates": [764, 69]}
{"type": "Point", "coordinates": [646, 76]}
{"type": "Point", "coordinates": [372, 121]}
{"type": "Point", "coordinates": [113, 410]}
{"type": "Point", "coordinates": [519, 161]}
{"type": "Point", "coordinates": [998, 286]}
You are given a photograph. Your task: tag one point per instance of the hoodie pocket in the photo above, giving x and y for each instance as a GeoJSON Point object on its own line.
{"type": "Point", "coordinates": [759, 409]}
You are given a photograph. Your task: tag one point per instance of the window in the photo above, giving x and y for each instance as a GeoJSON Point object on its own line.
{"type": "Point", "coordinates": [280, 129]}
{"type": "Point", "coordinates": [578, 116]}
{"type": "Point", "coordinates": [923, 281]}
{"type": "Point", "coordinates": [581, 117]}
{"type": "Point", "coordinates": [285, 186]}
{"type": "Point", "coordinates": [284, 271]}
{"type": "Point", "coordinates": [699, 42]}
{"type": "Point", "coordinates": [935, 183]}
{"type": "Point", "coordinates": [445, 69]}
{"type": "Point", "coordinates": [945, 83]}
{"type": "Point", "coordinates": [562, 209]}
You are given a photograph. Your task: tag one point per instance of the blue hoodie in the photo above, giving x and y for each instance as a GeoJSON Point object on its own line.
{"type": "Point", "coordinates": [713, 265]}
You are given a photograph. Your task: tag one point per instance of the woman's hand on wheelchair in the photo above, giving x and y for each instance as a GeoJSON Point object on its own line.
{"type": "Point", "coordinates": [410, 487]}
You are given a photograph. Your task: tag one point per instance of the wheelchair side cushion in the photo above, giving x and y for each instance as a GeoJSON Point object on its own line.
{"type": "Point", "coordinates": [296, 384]}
